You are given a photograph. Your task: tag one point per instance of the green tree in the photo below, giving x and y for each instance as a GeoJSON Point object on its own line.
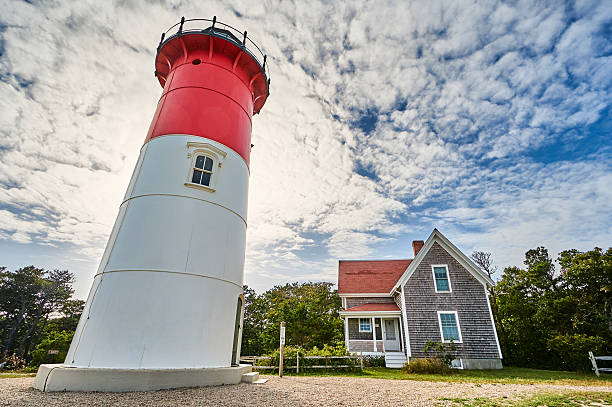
{"type": "Point", "coordinates": [253, 324]}
{"type": "Point", "coordinates": [310, 311]}
{"type": "Point", "coordinates": [29, 297]}
{"type": "Point", "coordinates": [588, 282]}
{"type": "Point", "coordinates": [551, 319]}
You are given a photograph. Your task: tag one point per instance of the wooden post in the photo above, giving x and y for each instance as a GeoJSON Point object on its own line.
{"type": "Point", "coordinates": [297, 362]}
{"type": "Point", "coordinates": [361, 360]}
{"type": "Point", "coordinates": [282, 345]}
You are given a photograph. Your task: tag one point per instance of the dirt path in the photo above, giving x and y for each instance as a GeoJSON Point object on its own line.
{"type": "Point", "coordinates": [289, 391]}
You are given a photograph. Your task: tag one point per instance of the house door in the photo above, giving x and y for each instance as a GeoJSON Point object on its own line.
{"type": "Point", "coordinates": [391, 335]}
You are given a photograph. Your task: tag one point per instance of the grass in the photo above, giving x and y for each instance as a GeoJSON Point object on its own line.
{"type": "Point", "coordinates": [572, 399]}
{"type": "Point", "coordinates": [514, 375]}
{"type": "Point", "coordinates": [14, 375]}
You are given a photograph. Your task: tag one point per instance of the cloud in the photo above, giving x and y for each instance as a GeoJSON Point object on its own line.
{"type": "Point", "coordinates": [487, 121]}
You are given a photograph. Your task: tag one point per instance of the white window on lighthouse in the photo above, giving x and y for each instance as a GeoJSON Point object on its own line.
{"type": "Point", "coordinates": [202, 170]}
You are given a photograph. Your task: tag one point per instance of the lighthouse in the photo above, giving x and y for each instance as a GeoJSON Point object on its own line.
{"type": "Point", "coordinates": [165, 307]}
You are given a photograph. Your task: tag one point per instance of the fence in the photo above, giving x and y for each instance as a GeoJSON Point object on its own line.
{"type": "Point", "coordinates": [329, 362]}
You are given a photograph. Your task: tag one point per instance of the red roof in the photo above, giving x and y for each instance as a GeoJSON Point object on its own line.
{"type": "Point", "coordinates": [369, 276]}
{"type": "Point", "coordinates": [391, 306]}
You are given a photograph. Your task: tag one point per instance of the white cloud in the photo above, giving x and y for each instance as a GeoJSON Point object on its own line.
{"type": "Point", "coordinates": [463, 94]}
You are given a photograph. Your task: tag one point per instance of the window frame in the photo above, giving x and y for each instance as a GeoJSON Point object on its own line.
{"type": "Point", "coordinates": [433, 273]}
{"type": "Point", "coordinates": [202, 170]}
{"type": "Point", "coordinates": [460, 339]}
{"type": "Point", "coordinates": [369, 324]}
{"type": "Point", "coordinates": [194, 150]}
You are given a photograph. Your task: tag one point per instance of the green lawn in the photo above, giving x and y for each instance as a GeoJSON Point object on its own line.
{"type": "Point", "coordinates": [13, 375]}
{"type": "Point", "coordinates": [571, 399]}
{"type": "Point", "coordinates": [506, 375]}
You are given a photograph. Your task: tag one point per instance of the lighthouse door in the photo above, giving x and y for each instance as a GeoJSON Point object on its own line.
{"type": "Point", "coordinates": [235, 354]}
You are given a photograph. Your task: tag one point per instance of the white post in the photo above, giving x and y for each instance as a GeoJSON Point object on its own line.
{"type": "Point", "coordinates": [401, 332]}
{"type": "Point", "coordinates": [383, 332]}
{"type": "Point", "coordinates": [282, 344]}
{"type": "Point", "coordinates": [374, 334]}
{"type": "Point", "coordinates": [297, 362]}
{"type": "Point", "coordinates": [346, 333]}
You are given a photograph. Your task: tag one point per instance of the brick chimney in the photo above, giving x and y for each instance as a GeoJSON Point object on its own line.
{"type": "Point", "coordinates": [417, 245]}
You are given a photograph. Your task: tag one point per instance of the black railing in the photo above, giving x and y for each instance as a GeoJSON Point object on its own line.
{"type": "Point", "coordinates": [217, 29]}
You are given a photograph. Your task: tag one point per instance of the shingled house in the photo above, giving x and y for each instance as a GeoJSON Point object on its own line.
{"type": "Point", "coordinates": [394, 307]}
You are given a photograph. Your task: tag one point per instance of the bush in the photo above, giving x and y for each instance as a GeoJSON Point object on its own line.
{"type": "Point", "coordinates": [441, 351]}
{"type": "Point", "coordinates": [573, 350]}
{"type": "Point", "coordinates": [11, 362]}
{"type": "Point", "coordinates": [374, 361]}
{"type": "Point", "coordinates": [290, 355]}
{"type": "Point", "coordinates": [53, 340]}
{"type": "Point", "coordinates": [427, 366]}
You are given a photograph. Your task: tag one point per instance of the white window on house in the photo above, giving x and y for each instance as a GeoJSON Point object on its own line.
{"type": "Point", "coordinates": [202, 170]}
{"type": "Point", "coordinates": [441, 280]}
{"type": "Point", "coordinates": [365, 325]}
{"type": "Point", "coordinates": [449, 326]}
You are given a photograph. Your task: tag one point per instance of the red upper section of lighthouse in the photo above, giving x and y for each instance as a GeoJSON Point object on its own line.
{"type": "Point", "coordinates": [213, 84]}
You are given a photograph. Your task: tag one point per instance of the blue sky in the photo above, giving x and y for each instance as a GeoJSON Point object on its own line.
{"type": "Point", "coordinates": [488, 120]}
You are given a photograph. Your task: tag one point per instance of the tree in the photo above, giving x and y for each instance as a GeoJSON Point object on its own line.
{"type": "Point", "coordinates": [588, 281]}
{"type": "Point", "coordinates": [253, 324]}
{"type": "Point", "coordinates": [550, 318]}
{"type": "Point", "coordinates": [29, 297]}
{"type": "Point", "coordinates": [310, 311]}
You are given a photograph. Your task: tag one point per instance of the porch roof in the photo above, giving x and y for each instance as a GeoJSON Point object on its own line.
{"type": "Point", "coordinates": [385, 307]}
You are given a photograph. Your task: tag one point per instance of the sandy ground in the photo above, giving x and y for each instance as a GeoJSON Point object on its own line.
{"type": "Point", "coordinates": [288, 391]}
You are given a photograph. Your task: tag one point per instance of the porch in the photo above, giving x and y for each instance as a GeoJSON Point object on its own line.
{"type": "Point", "coordinates": [375, 329]}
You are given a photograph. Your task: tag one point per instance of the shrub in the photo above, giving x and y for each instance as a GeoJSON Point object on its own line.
{"type": "Point", "coordinates": [53, 340]}
{"type": "Point", "coordinates": [11, 362]}
{"type": "Point", "coordinates": [290, 355]}
{"type": "Point", "coordinates": [573, 350]}
{"type": "Point", "coordinates": [427, 366]}
{"type": "Point", "coordinates": [374, 361]}
{"type": "Point", "coordinates": [439, 360]}
{"type": "Point", "coordinates": [441, 351]}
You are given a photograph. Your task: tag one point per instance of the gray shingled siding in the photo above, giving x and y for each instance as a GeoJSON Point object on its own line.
{"type": "Point", "coordinates": [355, 301]}
{"type": "Point", "coordinates": [354, 330]}
{"type": "Point", "coordinates": [467, 298]}
{"type": "Point", "coordinates": [361, 346]}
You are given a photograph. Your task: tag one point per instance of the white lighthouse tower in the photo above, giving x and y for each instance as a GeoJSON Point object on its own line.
{"type": "Point", "coordinates": [165, 307]}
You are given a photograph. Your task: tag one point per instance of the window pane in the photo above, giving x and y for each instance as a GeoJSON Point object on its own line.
{"type": "Point", "coordinates": [441, 279]}
{"type": "Point", "coordinates": [440, 272]}
{"type": "Point", "coordinates": [442, 285]}
{"type": "Point", "coordinates": [205, 178]}
{"type": "Point", "coordinates": [196, 176]}
{"type": "Point", "coordinates": [364, 325]}
{"type": "Point", "coordinates": [200, 161]}
{"type": "Point", "coordinates": [208, 166]}
{"type": "Point", "coordinates": [449, 327]}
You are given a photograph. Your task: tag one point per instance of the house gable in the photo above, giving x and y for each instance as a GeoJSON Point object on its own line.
{"type": "Point", "coordinates": [438, 238]}
{"type": "Point", "coordinates": [468, 301]}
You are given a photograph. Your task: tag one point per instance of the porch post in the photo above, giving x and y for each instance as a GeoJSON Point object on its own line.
{"type": "Point", "coordinates": [401, 329]}
{"type": "Point", "coordinates": [382, 331]}
{"type": "Point", "coordinates": [346, 333]}
{"type": "Point", "coordinates": [374, 334]}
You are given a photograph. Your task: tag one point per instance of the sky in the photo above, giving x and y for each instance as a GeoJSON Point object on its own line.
{"type": "Point", "coordinates": [489, 120]}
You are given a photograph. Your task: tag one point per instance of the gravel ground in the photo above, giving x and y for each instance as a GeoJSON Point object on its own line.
{"type": "Point", "coordinates": [288, 391]}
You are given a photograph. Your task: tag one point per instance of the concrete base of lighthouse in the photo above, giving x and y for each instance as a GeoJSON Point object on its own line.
{"type": "Point", "coordinates": [58, 377]}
